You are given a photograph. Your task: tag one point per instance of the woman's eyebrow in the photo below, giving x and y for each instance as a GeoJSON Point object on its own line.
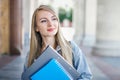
{"type": "Point", "coordinates": [42, 18]}
{"type": "Point", "coordinates": [54, 16]}
{"type": "Point", "coordinates": [46, 18]}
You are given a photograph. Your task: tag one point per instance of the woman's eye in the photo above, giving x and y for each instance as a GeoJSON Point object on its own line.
{"type": "Point", "coordinates": [54, 19]}
{"type": "Point", "coordinates": [43, 21]}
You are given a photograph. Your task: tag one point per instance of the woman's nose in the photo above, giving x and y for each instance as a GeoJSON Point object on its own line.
{"type": "Point", "coordinates": [50, 23]}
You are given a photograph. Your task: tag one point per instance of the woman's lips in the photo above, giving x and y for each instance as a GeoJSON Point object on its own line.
{"type": "Point", "coordinates": [50, 29]}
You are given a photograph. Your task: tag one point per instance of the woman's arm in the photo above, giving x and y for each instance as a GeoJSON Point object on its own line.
{"type": "Point", "coordinates": [80, 63]}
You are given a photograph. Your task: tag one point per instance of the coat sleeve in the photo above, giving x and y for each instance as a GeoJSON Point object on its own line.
{"type": "Point", "coordinates": [80, 63]}
{"type": "Point", "coordinates": [26, 62]}
{"type": "Point", "coordinates": [25, 65]}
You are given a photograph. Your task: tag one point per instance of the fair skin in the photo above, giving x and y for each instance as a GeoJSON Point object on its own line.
{"type": "Point", "coordinates": [47, 26]}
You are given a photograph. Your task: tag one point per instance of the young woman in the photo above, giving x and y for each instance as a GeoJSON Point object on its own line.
{"type": "Point", "coordinates": [45, 30]}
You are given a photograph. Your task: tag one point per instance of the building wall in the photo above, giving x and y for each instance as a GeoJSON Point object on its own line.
{"type": "Point", "coordinates": [10, 26]}
{"type": "Point", "coordinates": [95, 21]}
{"type": "Point", "coordinates": [96, 24]}
{"type": "Point", "coordinates": [108, 28]}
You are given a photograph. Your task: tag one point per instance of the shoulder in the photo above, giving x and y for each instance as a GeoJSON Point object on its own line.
{"type": "Point", "coordinates": [75, 48]}
{"type": "Point", "coordinates": [74, 45]}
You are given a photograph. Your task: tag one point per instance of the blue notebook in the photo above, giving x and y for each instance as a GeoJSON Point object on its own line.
{"type": "Point", "coordinates": [53, 70]}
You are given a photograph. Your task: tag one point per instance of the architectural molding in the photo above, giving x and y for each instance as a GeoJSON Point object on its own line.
{"type": "Point", "coordinates": [107, 48]}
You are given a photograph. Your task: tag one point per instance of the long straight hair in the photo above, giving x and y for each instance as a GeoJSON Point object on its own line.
{"type": "Point", "coordinates": [36, 39]}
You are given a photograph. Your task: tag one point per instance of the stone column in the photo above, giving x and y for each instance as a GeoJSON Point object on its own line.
{"type": "Point", "coordinates": [26, 21]}
{"type": "Point", "coordinates": [4, 26]}
{"type": "Point", "coordinates": [108, 28]}
{"type": "Point", "coordinates": [79, 19]}
{"type": "Point", "coordinates": [15, 27]}
{"type": "Point", "coordinates": [90, 23]}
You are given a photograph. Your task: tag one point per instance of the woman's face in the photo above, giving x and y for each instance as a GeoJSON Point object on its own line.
{"type": "Point", "coordinates": [47, 23]}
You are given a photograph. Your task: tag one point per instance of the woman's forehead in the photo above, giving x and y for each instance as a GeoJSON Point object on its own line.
{"type": "Point", "coordinates": [43, 13]}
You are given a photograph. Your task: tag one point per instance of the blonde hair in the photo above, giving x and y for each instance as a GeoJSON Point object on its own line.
{"type": "Point", "coordinates": [36, 40]}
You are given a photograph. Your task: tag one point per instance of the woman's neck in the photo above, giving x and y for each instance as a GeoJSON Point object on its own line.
{"type": "Point", "coordinates": [49, 41]}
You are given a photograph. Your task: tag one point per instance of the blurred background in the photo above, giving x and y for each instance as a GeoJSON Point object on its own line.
{"type": "Point", "coordinates": [93, 24]}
